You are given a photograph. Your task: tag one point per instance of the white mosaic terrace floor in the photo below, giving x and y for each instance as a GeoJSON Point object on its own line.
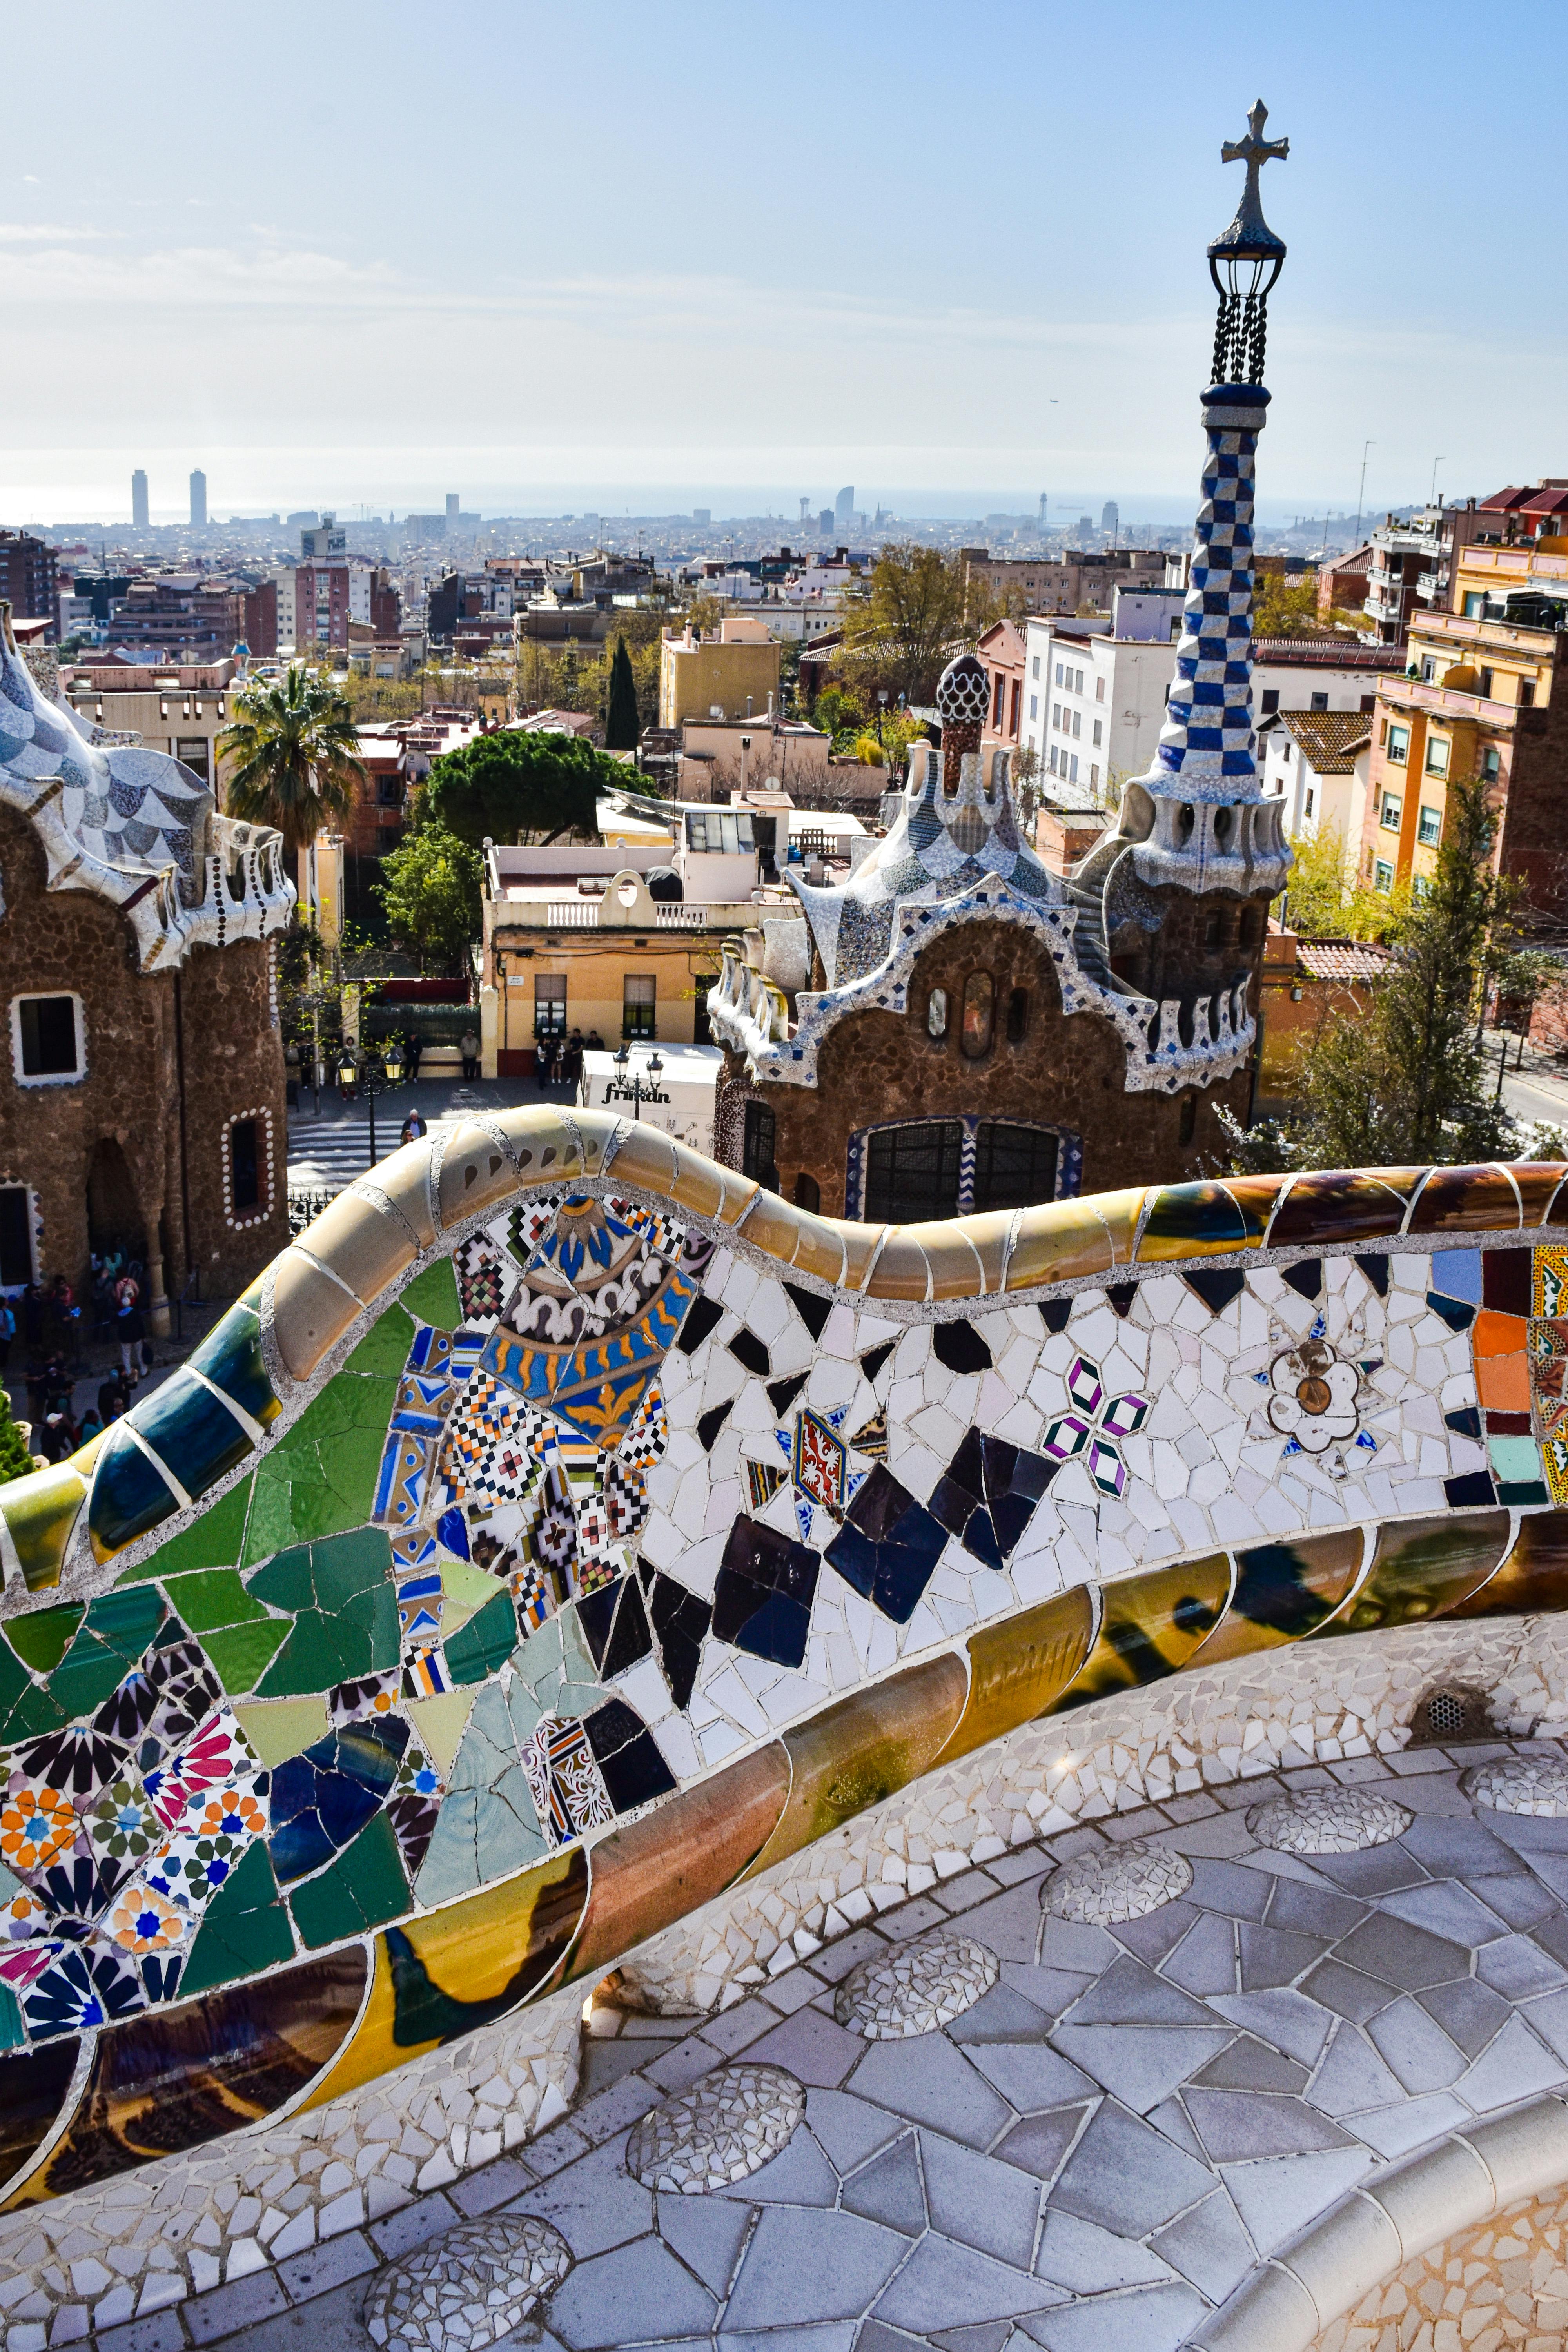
{"type": "Point", "coordinates": [1087, 2157]}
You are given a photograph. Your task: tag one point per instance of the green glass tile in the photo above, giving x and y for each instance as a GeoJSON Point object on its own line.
{"type": "Point", "coordinates": [241, 1654]}
{"type": "Point", "coordinates": [285, 1582]}
{"type": "Point", "coordinates": [41, 1638]}
{"type": "Point", "coordinates": [362, 1888]}
{"type": "Point", "coordinates": [245, 1929]}
{"type": "Point", "coordinates": [13, 1682]}
{"type": "Point", "coordinates": [214, 1541]}
{"type": "Point", "coordinates": [350, 1564]}
{"type": "Point", "coordinates": [385, 1348]}
{"type": "Point", "coordinates": [11, 2034]}
{"type": "Point", "coordinates": [35, 1713]}
{"type": "Point", "coordinates": [196, 1435]}
{"type": "Point", "coordinates": [126, 1622]}
{"type": "Point", "coordinates": [483, 1645]}
{"type": "Point", "coordinates": [85, 1676]}
{"type": "Point", "coordinates": [322, 1476]}
{"type": "Point", "coordinates": [433, 1296]}
{"type": "Point", "coordinates": [231, 1358]}
{"type": "Point", "coordinates": [346, 1624]}
{"type": "Point", "coordinates": [209, 1597]}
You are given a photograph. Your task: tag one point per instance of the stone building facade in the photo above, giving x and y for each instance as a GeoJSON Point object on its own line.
{"type": "Point", "coordinates": [141, 1090]}
{"type": "Point", "coordinates": [956, 1027]}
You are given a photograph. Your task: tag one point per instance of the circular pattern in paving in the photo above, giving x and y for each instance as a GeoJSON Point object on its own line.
{"type": "Point", "coordinates": [1521, 1784]}
{"type": "Point", "coordinates": [1124, 1882]}
{"type": "Point", "coordinates": [468, 2288]}
{"type": "Point", "coordinates": [1329, 1820]}
{"type": "Point", "coordinates": [915, 1988]}
{"type": "Point", "coordinates": [726, 2127]}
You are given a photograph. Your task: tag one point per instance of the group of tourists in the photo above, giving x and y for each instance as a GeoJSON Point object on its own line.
{"type": "Point", "coordinates": [558, 1061]}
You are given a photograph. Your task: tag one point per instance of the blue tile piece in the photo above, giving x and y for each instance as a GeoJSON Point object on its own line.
{"type": "Point", "coordinates": [323, 1799]}
{"type": "Point", "coordinates": [889, 1546]}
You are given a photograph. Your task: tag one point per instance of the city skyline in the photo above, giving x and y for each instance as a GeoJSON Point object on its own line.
{"type": "Point", "coordinates": [845, 319]}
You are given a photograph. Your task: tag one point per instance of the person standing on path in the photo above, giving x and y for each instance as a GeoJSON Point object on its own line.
{"type": "Point", "coordinates": [469, 1046]}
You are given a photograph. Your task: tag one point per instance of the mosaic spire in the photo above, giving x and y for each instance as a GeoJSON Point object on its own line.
{"type": "Point", "coordinates": [1203, 783]}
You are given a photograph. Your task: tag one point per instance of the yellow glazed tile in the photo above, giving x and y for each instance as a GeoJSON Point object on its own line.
{"type": "Point", "coordinates": [477, 1174]}
{"type": "Point", "coordinates": [818, 1246]}
{"type": "Point", "coordinates": [1151, 1624]}
{"type": "Point", "coordinates": [860, 1245]}
{"type": "Point", "coordinates": [40, 1510]}
{"type": "Point", "coordinates": [1465, 1200]}
{"type": "Point", "coordinates": [901, 1271]}
{"type": "Point", "coordinates": [861, 1749]}
{"type": "Point", "coordinates": [1018, 1669]}
{"type": "Point", "coordinates": [644, 1158]}
{"type": "Point", "coordinates": [441, 1723]}
{"type": "Point", "coordinates": [406, 1180]}
{"type": "Point", "coordinates": [310, 1312]}
{"type": "Point", "coordinates": [1063, 1241]}
{"type": "Point", "coordinates": [954, 1262]}
{"type": "Point", "coordinates": [364, 1246]}
{"type": "Point", "coordinates": [280, 1727]}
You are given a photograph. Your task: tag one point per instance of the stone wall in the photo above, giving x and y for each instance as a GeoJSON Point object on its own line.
{"type": "Point", "coordinates": [171, 1058]}
{"type": "Point", "coordinates": [882, 1066]}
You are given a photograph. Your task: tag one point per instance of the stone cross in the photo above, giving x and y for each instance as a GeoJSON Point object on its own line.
{"type": "Point", "coordinates": [1254, 151]}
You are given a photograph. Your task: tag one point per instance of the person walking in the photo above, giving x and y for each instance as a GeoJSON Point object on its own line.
{"type": "Point", "coordinates": [413, 1128]}
{"type": "Point", "coordinates": [469, 1046]}
{"type": "Point", "coordinates": [130, 1329]}
{"type": "Point", "coordinates": [543, 1062]}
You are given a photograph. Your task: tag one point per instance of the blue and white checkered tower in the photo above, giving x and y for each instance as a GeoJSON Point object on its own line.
{"type": "Point", "coordinates": [1198, 814]}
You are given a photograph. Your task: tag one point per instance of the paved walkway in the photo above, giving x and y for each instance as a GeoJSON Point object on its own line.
{"type": "Point", "coordinates": [329, 1146]}
{"type": "Point", "coordinates": [1089, 2157]}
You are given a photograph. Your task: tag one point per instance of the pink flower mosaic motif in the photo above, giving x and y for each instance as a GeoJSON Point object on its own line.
{"type": "Point", "coordinates": [216, 1756]}
{"type": "Point", "coordinates": [1093, 1430]}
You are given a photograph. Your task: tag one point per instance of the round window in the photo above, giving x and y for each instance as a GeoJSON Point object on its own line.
{"type": "Point", "coordinates": [979, 1013]}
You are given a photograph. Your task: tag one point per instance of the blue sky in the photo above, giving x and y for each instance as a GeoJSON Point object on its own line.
{"type": "Point", "coordinates": [623, 255]}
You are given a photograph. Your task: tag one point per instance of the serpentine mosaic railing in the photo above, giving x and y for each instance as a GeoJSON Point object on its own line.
{"type": "Point", "coordinates": [563, 1530]}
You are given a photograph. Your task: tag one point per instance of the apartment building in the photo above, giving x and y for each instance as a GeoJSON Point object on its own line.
{"type": "Point", "coordinates": [1411, 569]}
{"type": "Point", "coordinates": [29, 577]}
{"type": "Point", "coordinates": [729, 673]}
{"type": "Point", "coordinates": [1318, 763]}
{"type": "Point", "coordinates": [1480, 697]}
{"type": "Point", "coordinates": [1094, 694]}
{"type": "Point", "coordinates": [1078, 578]}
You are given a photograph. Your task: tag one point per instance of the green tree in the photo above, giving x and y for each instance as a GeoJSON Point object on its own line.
{"type": "Point", "coordinates": [430, 889]}
{"type": "Point", "coordinates": [904, 633]}
{"type": "Point", "coordinates": [1401, 1080]}
{"type": "Point", "coordinates": [14, 1459]}
{"type": "Point", "coordinates": [1326, 899]}
{"type": "Point", "coordinates": [509, 783]}
{"type": "Point", "coordinates": [1281, 611]}
{"type": "Point", "coordinates": [621, 728]}
{"type": "Point", "coordinates": [298, 763]}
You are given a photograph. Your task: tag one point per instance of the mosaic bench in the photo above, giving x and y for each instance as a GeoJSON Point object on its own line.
{"type": "Point", "coordinates": [563, 1530]}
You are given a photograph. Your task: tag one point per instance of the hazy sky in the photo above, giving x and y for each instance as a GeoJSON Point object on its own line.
{"type": "Point", "coordinates": [609, 255]}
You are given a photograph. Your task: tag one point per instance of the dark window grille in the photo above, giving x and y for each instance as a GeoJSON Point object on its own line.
{"type": "Point", "coordinates": [757, 1143]}
{"type": "Point", "coordinates": [15, 1235]}
{"type": "Point", "coordinates": [244, 1165]}
{"type": "Point", "coordinates": [912, 1172]}
{"type": "Point", "coordinates": [1014, 1166]}
{"type": "Point", "coordinates": [49, 1037]}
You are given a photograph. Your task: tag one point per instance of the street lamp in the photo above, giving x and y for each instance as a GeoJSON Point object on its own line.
{"type": "Point", "coordinates": [655, 1066]}
{"type": "Point", "coordinates": [374, 1077]}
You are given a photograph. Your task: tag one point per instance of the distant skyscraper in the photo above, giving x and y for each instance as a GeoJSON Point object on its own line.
{"type": "Point", "coordinates": [198, 500]}
{"type": "Point", "coordinates": [805, 509]}
{"type": "Point", "coordinates": [1042, 510]}
{"type": "Point", "coordinates": [139, 500]}
{"type": "Point", "coordinates": [844, 511]}
{"type": "Point", "coordinates": [702, 516]}
{"type": "Point", "coordinates": [1109, 518]}
{"type": "Point", "coordinates": [824, 522]}
{"type": "Point", "coordinates": [452, 504]}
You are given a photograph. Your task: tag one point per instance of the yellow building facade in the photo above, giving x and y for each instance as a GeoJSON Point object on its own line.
{"type": "Point", "coordinates": [735, 674]}
{"type": "Point", "coordinates": [1476, 700]}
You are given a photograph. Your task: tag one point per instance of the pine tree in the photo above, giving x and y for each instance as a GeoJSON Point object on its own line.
{"type": "Point", "coordinates": [621, 728]}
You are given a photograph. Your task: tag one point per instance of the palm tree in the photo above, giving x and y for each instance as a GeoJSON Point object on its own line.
{"type": "Point", "coordinates": [295, 743]}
